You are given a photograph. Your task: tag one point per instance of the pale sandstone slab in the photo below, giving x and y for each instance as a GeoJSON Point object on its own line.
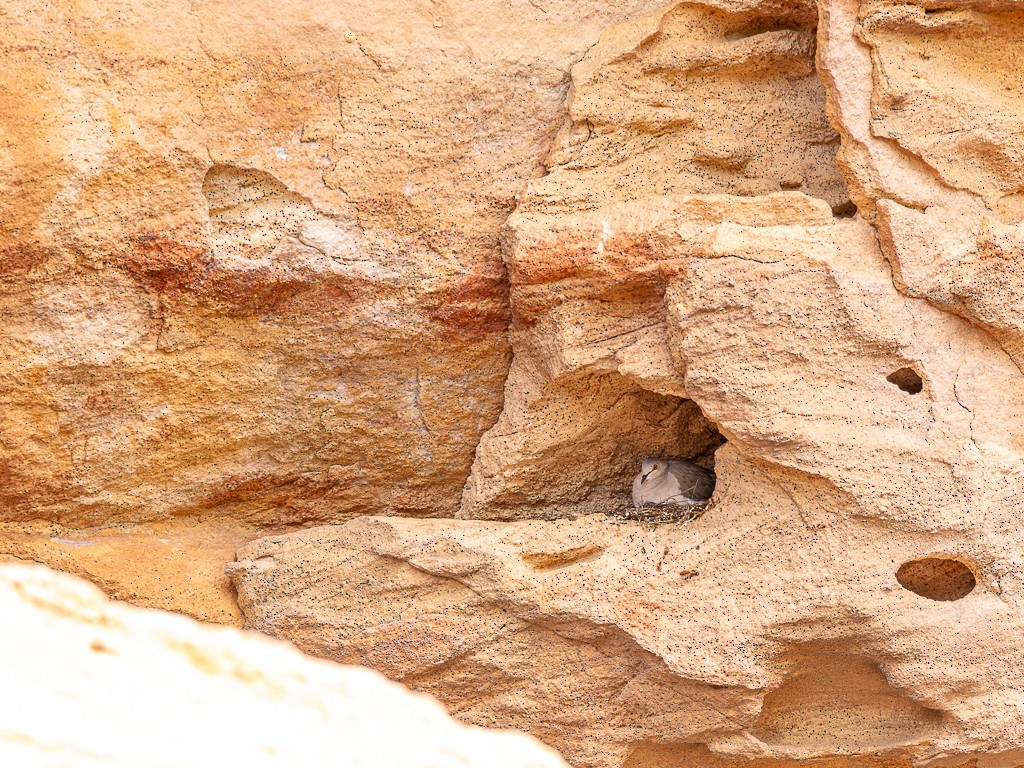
{"type": "Point", "coordinates": [791, 355]}
{"type": "Point", "coordinates": [90, 683]}
{"type": "Point", "coordinates": [750, 635]}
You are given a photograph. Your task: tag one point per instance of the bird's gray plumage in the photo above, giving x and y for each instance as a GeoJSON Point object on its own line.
{"type": "Point", "coordinates": [670, 481]}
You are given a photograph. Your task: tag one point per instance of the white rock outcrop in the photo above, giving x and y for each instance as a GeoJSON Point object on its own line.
{"type": "Point", "coordinates": [90, 683]}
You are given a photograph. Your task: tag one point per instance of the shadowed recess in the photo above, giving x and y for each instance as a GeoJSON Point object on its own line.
{"type": "Point", "coordinates": [906, 379]}
{"type": "Point", "coordinates": [667, 755]}
{"type": "Point", "coordinates": [940, 577]}
{"type": "Point", "coordinates": [841, 702]}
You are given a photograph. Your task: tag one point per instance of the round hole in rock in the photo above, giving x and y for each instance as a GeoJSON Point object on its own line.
{"type": "Point", "coordinates": [937, 577]}
{"type": "Point", "coordinates": [906, 379]}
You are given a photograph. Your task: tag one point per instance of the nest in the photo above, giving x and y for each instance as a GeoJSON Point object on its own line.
{"type": "Point", "coordinates": [661, 513]}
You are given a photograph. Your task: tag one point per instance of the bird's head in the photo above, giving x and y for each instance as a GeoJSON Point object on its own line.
{"type": "Point", "coordinates": [650, 466]}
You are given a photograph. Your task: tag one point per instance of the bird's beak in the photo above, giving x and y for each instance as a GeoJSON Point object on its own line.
{"type": "Point", "coordinates": [644, 478]}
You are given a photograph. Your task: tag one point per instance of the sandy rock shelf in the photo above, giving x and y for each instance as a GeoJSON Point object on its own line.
{"type": "Point", "coordinates": [757, 639]}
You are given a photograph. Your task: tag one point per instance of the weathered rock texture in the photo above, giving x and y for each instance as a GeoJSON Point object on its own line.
{"type": "Point", "coordinates": [249, 258]}
{"type": "Point", "coordinates": [175, 565]}
{"type": "Point", "coordinates": [672, 117]}
{"type": "Point", "coordinates": [268, 269]}
{"type": "Point", "coordinates": [749, 636]}
{"type": "Point", "coordinates": [690, 271]}
{"type": "Point", "coordinates": [249, 263]}
{"type": "Point", "coordinates": [92, 683]}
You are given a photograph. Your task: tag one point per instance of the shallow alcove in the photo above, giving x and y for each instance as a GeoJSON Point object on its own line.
{"type": "Point", "coordinates": [686, 434]}
{"type": "Point", "coordinates": [844, 210]}
{"type": "Point", "coordinates": [835, 700]}
{"type": "Point", "coordinates": [251, 211]}
{"type": "Point", "coordinates": [577, 448]}
{"type": "Point", "coordinates": [907, 379]}
{"type": "Point", "coordinates": [937, 577]}
{"type": "Point", "coordinates": [667, 754]}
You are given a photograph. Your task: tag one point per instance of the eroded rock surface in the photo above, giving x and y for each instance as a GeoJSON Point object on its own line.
{"type": "Point", "coordinates": [841, 345]}
{"type": "Point", "coordinates": [175, 565]}
{"type": "Point", "coordinates": [773, 627]}
{"type": "Point", "coordinates": [752, 636]}
{"type": "Point", "coordinates": [249, 258]}
{"type": "Point", "coordinates": [266, 270]}
{"type": "Point", "coordinates": [93, 683]}
{"type": "Point", "coordinates": [249, 266]}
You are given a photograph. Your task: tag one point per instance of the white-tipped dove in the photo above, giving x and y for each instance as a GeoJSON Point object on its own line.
{"type": "Point", "coordinates": [670, 481]}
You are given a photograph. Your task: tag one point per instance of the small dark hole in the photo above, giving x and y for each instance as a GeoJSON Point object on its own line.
{"type": "Point", "coordinates": [937, 578]}
{"type": "Point", "coordinates": [844, 210]}
{"type": "Point", "coordinates": [906, 379]}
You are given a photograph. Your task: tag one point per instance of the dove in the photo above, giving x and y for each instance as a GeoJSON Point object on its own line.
{"type": "Point", "coordinates": [671, 481]}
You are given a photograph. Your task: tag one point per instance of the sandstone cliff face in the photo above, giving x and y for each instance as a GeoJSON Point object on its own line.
{"type": "Point", "coordinates": [249, 262]}
{"type": "Point", "coordinates": [692, 278]}
{"type": "Point", "coordinates": [737, 636]}
{"type": "Point", "coordinates": [477, 260]}
{"type": "Point", "coordinates": [244, 250]}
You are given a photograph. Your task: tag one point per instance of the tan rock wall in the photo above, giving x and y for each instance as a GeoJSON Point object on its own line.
{"type": "Point", "coordinates": [246, 249]}
{"type": "Point", "coordinates": [842, 600]}
{"type": "Point", "coordinates": [249, 263]}
{"type": "Point", "coordinates": [754, 636]}
{"type": "Point", "coordinates": [265, 270]}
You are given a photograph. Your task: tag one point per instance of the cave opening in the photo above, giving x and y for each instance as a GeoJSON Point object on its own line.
{"type": "Point", "coordinates": [577, 448]}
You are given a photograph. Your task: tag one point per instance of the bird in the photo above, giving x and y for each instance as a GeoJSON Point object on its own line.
{"type": "Point", "coordinates": [671, 481]}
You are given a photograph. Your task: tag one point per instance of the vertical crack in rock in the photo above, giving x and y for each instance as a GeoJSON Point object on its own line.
{"type": "Point", "coordinates": [905, 81]}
